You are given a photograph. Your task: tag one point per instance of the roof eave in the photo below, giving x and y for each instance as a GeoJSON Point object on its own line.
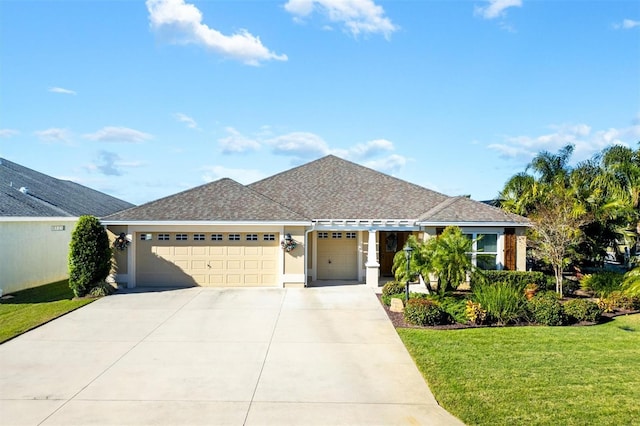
{"type": "Point", "coordinates": [207, 222]}
{"type": "Point", "coordinates": [499, 224]}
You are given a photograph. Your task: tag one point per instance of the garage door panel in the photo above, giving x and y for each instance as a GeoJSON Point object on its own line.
{"type": "Point", "coordinates": [206, 262]}
{"type": "Point", "coordinates": [337, 259]}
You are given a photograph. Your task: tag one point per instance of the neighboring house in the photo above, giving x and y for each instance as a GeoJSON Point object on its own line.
{"type": "Point", "coordinates": [37, 215]}
{"type": "Point", "coordinates": [227, 234]}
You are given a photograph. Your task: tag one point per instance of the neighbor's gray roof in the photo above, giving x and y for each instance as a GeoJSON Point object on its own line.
{"type": "Point", "coordinates": [221, 200]}
{"type": "Point", "coordinates": [46, 196]}
{"type": "Point", "coordinates": [333, 188]}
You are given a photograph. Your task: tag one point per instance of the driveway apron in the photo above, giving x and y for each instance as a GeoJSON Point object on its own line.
{"type": "Point", "coordinates": [204, 356]}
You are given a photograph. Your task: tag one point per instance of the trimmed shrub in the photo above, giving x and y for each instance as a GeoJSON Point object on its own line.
{"type": "Point", "coordinates": [504, 302]}
{"type": "Point", "coordinates": [619, 300]}
{"type": "Point", "coordinates": [455, 308]}
{"type": "Point", "coordinates": [102, 289]}
{"type": "Point", "coordinates": [578, 310]}
{"type": "Point", "coordinates": [424, 312]}
{"type": "Point", "coordinates": [517, 279]}
{"type": "Point", "coordinates": [393, 287]}
{"type": "Point", "coordinates": [546, 309]}
{"type": "Point", "coordinates": [602, 284]}
{"type": "Point", "coordinates": [89, 255]}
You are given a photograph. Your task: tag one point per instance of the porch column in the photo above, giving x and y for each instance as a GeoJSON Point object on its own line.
{"type": "Point", "coordinates": [373, 267]}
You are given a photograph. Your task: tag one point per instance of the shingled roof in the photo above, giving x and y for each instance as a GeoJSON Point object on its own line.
{"type": "Point", "coordinates": [463, 209]}
{"type": "Point", "coordinates": [221, 200]}
{"type": "Point", "coordinates": [333, 188]}
{"type": "Point", "coordinates": [26, 192]}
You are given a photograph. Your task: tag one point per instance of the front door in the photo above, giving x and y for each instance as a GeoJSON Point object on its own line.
{"type": "Point", "coordinates": [390, 243]}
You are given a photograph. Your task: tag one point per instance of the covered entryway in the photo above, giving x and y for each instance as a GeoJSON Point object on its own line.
{"type": "Point", "coordinates": [337, 255]}
{"type": "Point", "coordinates": [389, 244]}
{"type": "Point", "coordinates": [206, 259]}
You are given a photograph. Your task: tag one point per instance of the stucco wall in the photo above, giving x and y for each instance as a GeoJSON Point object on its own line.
{"type": "Point", "coordinates": [294, 264]}
{"type": "Point", "coordinates": [33, 251]}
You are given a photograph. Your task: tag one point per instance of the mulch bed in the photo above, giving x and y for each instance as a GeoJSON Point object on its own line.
{"type": "Point", "coordinates": [397, 319]}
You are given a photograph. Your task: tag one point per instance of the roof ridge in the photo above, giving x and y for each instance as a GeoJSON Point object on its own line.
{"type": "Point", "coordinates": [439, 207]}
{"type": "Point", "coordinates": [274, 201]}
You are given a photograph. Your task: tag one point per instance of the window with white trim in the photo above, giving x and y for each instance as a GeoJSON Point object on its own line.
{"type": "Point", "coordinates": [181, 237]}
{"type": "Point", "coordinates": [216, 237]}
{"type": "Point", "coordinates": [252, 237]}
{"type": "Point", "coordinates": [484, 250]}
{"type": "Point", "coordinates": [163, 237]}
{"type": "Point", "coordinates": [146, 237]}
{"type": "Point", "coordinates": [234, 237]}
{"type": "Point", "coordinates": [336, 235]}
{"type": "Point", "coordinates": [198, 237]}
{"type": "Point", "coordinates": [269, 237]}
{"type": "Point", "coordinates": [323, 235]}
{"type": "Point", "coordinates": [350, 235]}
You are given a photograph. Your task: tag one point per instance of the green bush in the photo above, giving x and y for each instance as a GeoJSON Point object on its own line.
{"type": "Point", "coordinates": [402, 296]}
{"type": "Point", "coordinates": [602, 284]}
{"type": "Point", "coordinates": [424, 311]}
{"type": "Point", "coordinates": [102, 289]}
{"type": "Point", "coordinates": [393, 287]}
{"type": "Point", "coordinates": [89, 255]}
{"type": "Point", "coordinates": [518, 279]}
{"type": "Point", "coordinates": [578, 310]}
{"type": "Point", "coordinates": [546, 309]}
{"type": "Point", "coordinates": [504, 302]}
{"type": "Point", "coordinates": [619, 300]}
{"type": "Point", "coordinates": [454, 307]}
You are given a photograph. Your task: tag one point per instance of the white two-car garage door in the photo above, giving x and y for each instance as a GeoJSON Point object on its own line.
{"type": "Point", "coordinates": [206, 259]}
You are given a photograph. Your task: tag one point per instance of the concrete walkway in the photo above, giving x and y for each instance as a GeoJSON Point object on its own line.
{"type": "Point", "coordinates": [202, 356]}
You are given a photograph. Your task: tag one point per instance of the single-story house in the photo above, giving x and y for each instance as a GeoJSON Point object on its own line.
{"type": "Point", "coordinates": [37, 215]}
{"type": "Point", "coordinates": [329, 219]}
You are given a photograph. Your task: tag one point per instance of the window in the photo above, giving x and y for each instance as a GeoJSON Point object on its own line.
{"type": "Point", "coordinates": [181, 237]}
{"type": "Point", "coordinates": [351, 235]}
{"type": "Point", "coordinates": [198, 237]}
{"type": "Point", "coordinates": [234, 237]}
{"type": "Point", "coordinates": [146, 237]}
{"type": "Point", "coordinates": [323, 235]}
{"type": "Point", "coordinates": [484, 254]}
{"type": "Point", "coordinates": [269, 237]}
{"type": "Point", "coordinates": [163, 237]}
{"type": "Point", "coordinates": [252, 237]}
{"type": "Point", "coordinates": [336, 235]}
{"type": "Point", "coordinates": [216, 237]}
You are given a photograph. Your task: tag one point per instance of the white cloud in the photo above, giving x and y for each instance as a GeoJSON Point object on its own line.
{"type": "Point", "coordinates": [390, 164]}
{"type": "Point", "coordinates": [626, 24]}
{"type": "Point", "coordinates": [370, 149]}
{"type": "Point", "coordinates": [54, 135]}
{"type": "Point", "coordinates": [244, 176]}
{"type": "Point", "coordinates": [111, 164]}
{"type": "Point", "coordinates": [8, 133]}
{"type": "Point", "coordinates": [302, 145]}
{"type": "Point", "coordinates": [118, 134]}
{"type": "Point", "coordinates": [183, 22]}
{"type": "Point", "coordinates": [587, 142]}
{"type": "Point", "coordinates": [357, 16]}
{"type": "Point", "coordinates": [235, 142]}
{"type": "Point", "coordinates": [62, 91]}
{"type": "Point", "coordinates": [496, 8]}
{"type": "Point", "coordinates": [183, 118]}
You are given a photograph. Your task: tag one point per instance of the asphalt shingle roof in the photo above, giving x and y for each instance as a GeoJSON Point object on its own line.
{"type": "Point", "coordinates": [333, 188]}
{"type": "Point", "coordinates": [463, 209]}
{"type": "Point", "coordinates": [221, 200]}
{"type": "Point", "coordinates": [46, 196]}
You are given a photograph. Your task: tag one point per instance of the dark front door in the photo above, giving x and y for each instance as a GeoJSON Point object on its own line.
{"type": "Point", "coordinates": [389, 244]}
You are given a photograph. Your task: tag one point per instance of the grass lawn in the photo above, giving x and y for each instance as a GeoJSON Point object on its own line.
{"type": "Point", "coordinates": [534, 375]}
{"type": "Point", "coordinates": [32, 307]}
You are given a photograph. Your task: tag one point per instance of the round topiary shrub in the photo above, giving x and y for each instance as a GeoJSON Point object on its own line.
{"type": "Point", "coordinates": [578, 310]}
{"type": "Point", "coordinates": [89, 255]}
{"type": "Point", "coordinates": [393, 289]}
{"type": "Point", "coordinates": [423, 312]}
{"type": "Point", "coordinates": [546, 309]}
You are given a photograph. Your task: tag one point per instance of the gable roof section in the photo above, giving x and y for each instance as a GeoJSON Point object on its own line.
{"type": "Point", "coordinates": [462, 209]}
{"type": "Point", "coordinates": [221, 200]}
{"type": "Point", "coordinates": [333, 188]}
{"type": "Point", "coordinates": [46, 196]}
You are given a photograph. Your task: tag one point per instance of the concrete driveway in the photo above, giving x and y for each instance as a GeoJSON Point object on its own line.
{"type": "Point", "coordinates": [202, 356]}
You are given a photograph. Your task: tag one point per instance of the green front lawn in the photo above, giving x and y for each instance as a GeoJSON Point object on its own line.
{"type": "Point", "coordinates": [32, 307]}
{"type": "Point", "coordinates": [534, 375]}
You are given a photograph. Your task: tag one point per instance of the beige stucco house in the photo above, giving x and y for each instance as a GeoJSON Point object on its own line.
{"type": "Point", "coordinates": [329, 219]}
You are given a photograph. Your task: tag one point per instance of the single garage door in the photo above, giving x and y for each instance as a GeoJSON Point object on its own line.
{"type": "Point", "coordinates": [337, 256]}
{"type": "Point", "coordinates": [206, 259]}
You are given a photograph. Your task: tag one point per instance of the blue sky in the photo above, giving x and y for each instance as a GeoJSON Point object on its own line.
{"type": "Point", "coordinates": [144, 99]}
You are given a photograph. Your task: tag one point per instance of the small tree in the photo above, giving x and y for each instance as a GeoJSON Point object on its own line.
{"type": "Point", "coordinates": [89, 255]}
{"type": "Point", "coordinates": [447, 256]}
{"type": "Point", "coordinates": [556, 229]}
